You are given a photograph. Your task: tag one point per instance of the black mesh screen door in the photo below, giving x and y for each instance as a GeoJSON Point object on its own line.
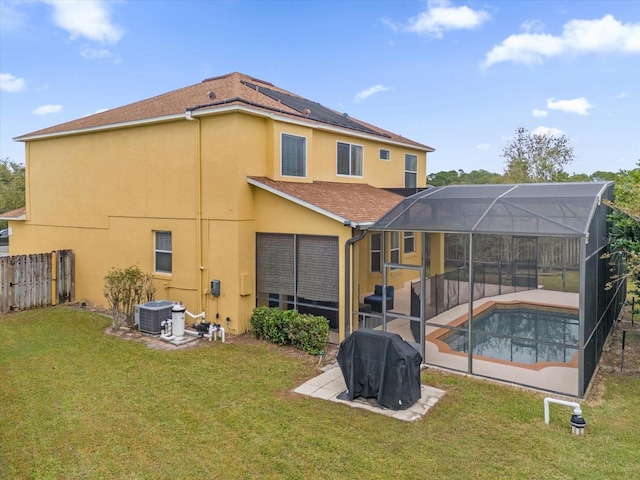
{"type": "Point", "coordinates": [525, 262]}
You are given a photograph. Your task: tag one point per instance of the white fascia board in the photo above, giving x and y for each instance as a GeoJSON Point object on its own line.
{"type": "Point", "coordinates": [302, 203]}
{"type": "Point", "coordinates": [219, 110]}
{"type": "Point", "coordinates": [20, 218]}
{"type": "Point", "coordinates": [111, 126]}
{"type": "Point", "coordinates": [307, 123]}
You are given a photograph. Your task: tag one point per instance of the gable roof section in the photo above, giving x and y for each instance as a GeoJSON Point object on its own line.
{"type": "Point", "coordinates": [356, 203]}
{"type": "Point", "coordinates": [224, 93]}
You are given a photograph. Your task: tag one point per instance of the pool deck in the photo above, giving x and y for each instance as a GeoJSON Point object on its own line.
{"type": "Point", "coordinates": [555, 378]}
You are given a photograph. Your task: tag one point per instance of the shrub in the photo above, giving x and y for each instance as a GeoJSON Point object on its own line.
{"type": "Point", "coordinates": [268, 324]}
{"type": "Point", "coordinates": [309, 333]}
{"type": "Point", "coordinates": [306, 332]}
{"type": "Point", "coordinates": [124, 288]}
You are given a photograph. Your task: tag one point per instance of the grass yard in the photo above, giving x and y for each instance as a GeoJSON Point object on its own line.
{"type": "Point", "coordinates": [79, 404]}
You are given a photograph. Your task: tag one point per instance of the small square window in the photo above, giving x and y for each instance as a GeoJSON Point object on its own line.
{"type": "Point", "coordinates": [385, 154]}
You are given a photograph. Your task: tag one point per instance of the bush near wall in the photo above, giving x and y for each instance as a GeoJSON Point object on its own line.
{"type": "Point", "coordinates": [308, 333]}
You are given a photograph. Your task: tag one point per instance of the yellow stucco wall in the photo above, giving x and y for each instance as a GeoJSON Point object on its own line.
{"type": "Point", "coordinates": [103, 194]}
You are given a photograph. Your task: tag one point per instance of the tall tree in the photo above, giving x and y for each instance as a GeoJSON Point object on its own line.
{"type": "Point", "coordinates": [11, 187]}
{"type": "Point", "coordinates": [624, 236]}
{"type": "Point", "coordinates": [537, 157]}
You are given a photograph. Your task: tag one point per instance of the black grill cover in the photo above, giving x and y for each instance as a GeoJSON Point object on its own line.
{"type": "Point", "coordinates": [380, 365]}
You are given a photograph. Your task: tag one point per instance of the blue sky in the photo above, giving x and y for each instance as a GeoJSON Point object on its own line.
{"type": "Point", "coordinates": [459, 76]}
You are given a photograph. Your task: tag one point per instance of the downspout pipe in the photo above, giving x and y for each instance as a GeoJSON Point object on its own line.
{"type": "Point", "coordinates": [347, 276]}
{"type": "Point", "coordinates": [188, 116]}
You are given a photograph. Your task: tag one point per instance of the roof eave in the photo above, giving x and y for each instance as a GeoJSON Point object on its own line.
{"type": "Point", "coordinates": [219, 110]}
{"type": "Point", "coordinates": [305, 204]}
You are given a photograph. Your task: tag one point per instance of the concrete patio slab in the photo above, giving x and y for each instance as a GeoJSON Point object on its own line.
{"type": "Point", "coordinates": [329, 384]}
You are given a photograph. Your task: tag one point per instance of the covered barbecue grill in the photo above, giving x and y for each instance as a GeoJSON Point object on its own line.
{"type": "Point", "coordinates": [380, 365]}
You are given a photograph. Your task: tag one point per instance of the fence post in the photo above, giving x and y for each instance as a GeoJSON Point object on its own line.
{"type": "Point", "coordinates": [54, 278]}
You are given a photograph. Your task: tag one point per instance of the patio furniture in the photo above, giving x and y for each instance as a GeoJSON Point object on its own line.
{"type": "Point", "coordinates": [375, 300]}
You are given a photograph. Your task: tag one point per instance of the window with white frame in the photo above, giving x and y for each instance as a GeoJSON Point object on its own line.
{"type": "Point", "coordinates": [376, 252]}
{"type": "Point", "coordinates": [394, 247]}
{"type": "Point", "coordinates": [162, 252]}
{"type": "Point", "coordinates": [410, 170]}
{"type": "Point", "coordinates": [385, 154]}
{"type": "Point", "coordinates": [409, 242]}
{"type": "Point", "coordinates": [349, 159]}
{"type": "Point", "coordinates": [293, 155]}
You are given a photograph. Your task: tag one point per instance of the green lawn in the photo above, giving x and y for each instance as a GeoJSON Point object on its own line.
{"type": "Point", "coordinates": [76, 403]}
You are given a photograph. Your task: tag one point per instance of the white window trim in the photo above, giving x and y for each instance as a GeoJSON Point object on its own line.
{"type": "Point", "coordinates": [350, 145]}
{"type": "Point", "coordinates": [305, 155]}
{"type": "Point", "coordinates": [394, 249]}
{"type": "Point", "coordinates": [415, 172]}
{"type": "Point", "coordinates": [157, 250]}
{"type": "Point", "coordinates": [388, 159]}
{"type": "Point", "coordinates": [404, 242]}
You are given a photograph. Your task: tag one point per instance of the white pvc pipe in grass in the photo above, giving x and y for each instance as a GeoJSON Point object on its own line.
{"type": "Point", "coordinates": [576, 407]}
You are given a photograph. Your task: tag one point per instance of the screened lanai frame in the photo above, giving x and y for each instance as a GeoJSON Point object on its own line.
{"type": "Point", "coordinates": [560, 210]}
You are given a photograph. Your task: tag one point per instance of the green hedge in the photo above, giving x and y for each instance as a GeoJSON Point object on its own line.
{"type": "Point", "coordinates": [309, 333]}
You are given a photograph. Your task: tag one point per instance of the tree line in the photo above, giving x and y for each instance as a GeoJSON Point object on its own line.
{"type": "Point", "coordinates": [529, 158]}
{"type": "Point", "coordinates": [11, 187]}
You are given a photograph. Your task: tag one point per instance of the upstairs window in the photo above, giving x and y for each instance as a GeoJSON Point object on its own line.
{"type": "Point", "coordinates": [349, 159]}
{"type": "Point", "coordinates": [385, 154]}
{"type": "Point", "coordinates": [294, 156]}
{"type": "Point", "coordinates": [410, 171]}
{"type": "Point", "coordinates": [162, 252]}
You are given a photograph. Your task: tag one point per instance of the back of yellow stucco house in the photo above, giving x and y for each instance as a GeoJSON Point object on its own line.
{"type": "Point", "coordinates": [232, 179]}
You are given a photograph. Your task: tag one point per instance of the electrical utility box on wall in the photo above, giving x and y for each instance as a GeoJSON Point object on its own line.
{"type": "Point", "coordinates": [215, 288]}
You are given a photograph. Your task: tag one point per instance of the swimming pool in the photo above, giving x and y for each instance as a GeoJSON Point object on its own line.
{"type": "Point", "coordinates": [520, 333]}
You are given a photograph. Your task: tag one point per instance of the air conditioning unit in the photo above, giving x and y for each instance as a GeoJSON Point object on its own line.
{"type": "Point", "coordinates": [149, 316]}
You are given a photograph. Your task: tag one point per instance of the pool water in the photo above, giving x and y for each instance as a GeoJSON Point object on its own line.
{"type": "Point", "coordinates": [519, 334]}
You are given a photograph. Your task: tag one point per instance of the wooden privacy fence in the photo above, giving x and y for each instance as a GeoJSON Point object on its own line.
{"type": "Point", "coordinates": [36, 280]}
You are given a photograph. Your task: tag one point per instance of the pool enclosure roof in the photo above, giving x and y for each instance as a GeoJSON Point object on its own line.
{"type": "Point", "coordinates": [533, 209]}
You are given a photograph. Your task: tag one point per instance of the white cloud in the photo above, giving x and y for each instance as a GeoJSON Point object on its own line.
{"type": "Point", "coordinates": [10, 83]}
{"type": "Point", "coordinates": [555, 132]}
{"type": "Point", "coordinates": [90, 19]}
{"type": "Point", "coordinates": [578, 37]}
{"type": "Point", "coordinates": [440, 16]}
{"type": "Point", "coordinates": [370, 91]}
{"type": "Point", "coordinates": [47, 109]}
{"type": "Point", "coordinates": [95, 53]}
{"type": "Point", "coordinates": [623, 95]}
{"type": "Point", "coordinates": [530, 26]}
{"type": "Point", "coordinates": [539, 113]}
{"type": "Point", "coordinates": [580, 105]}
{"type": "Point", "coordinates": [483, 146]}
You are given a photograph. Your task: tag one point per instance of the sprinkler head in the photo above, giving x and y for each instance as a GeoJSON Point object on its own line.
{"type": "Point", "coordinates": [578, 424]}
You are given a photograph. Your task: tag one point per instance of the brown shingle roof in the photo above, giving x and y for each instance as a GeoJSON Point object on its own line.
{"type": "Point", "coordinates": [17, 214]}
{"type": "Point", "coordinates": [210, 95]}
{"type": "Point", "coordinates": [357, 202]}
